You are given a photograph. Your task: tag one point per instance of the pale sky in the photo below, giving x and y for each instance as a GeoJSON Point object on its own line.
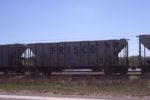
{"type": "Point", "coordinates": [30, 21]}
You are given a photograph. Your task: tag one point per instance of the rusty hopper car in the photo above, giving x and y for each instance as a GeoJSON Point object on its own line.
{"type": "Point", "coordinates": [144, 53]}
{"type": "Point", "coordinates": [110, 56]}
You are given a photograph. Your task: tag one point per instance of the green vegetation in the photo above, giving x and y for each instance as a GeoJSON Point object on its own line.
{"type": "Point", "coordinates": [132, 87]}
{"type": "Point", "coordinates": [134, 60]}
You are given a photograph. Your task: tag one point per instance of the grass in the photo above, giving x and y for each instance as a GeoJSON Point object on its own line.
{"type": "Point", "coordinates": [81, 86]}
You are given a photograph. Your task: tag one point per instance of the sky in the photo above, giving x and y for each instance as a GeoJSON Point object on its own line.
{"type": "Point", "coordinates": [31, 21]}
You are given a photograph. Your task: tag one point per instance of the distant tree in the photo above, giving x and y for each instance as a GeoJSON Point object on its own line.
{"type": "Point", "coordinates": [134, 61]}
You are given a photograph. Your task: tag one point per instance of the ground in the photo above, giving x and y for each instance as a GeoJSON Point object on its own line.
{"type": "Point", "coordinates": [93, 86]}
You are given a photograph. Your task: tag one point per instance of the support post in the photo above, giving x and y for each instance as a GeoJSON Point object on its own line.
{"type": "Point", "coordinates": [144, 55]}
{"type": "Point", "coordinates": [140, 60]}
{"type": "Point", "coordinates": [127, 51]}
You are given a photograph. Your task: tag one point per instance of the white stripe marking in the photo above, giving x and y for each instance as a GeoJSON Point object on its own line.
{"type": "Point", "coordinates": [43, 98]}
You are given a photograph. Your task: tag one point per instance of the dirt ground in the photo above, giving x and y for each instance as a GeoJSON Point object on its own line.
{"type": "Point", "coordinates": [107, 97]}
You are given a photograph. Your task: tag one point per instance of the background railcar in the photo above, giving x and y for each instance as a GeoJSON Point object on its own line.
{"type": "Point", "coordinates": [144, 53]}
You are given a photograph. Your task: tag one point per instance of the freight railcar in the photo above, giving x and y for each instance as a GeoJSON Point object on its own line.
{"type": "Point", "coordinates": [110, 56]}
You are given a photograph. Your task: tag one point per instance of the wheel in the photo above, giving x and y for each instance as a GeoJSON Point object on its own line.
{"type": "Point", "coordinates": [22, 72]}
{"type": "Point", "coordinates": [144, 70]}
{"type": "Point", "coordinates": [107, 70]}
{"type": "Point", "coordinates": [6, 73]}
{"type": "Point", "coordinates": [46, 73]}
{"type": "Point", "coordinates": [123, 70]}
{"type": "Point", "coordinates": [96, 70]}
{"type": "Point", "coordinates": [34, 72]}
